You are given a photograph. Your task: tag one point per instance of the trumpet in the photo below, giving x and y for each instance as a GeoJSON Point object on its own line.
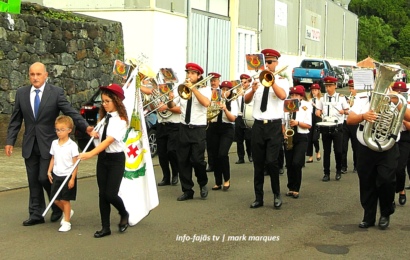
{"type": "Point", "coordinates": [185, 92]}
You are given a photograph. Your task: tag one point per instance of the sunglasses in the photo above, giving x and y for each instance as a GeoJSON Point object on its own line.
{"type": "Point", "coordinates": [271, 61]}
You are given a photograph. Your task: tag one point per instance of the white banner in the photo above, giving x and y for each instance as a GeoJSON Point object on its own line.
{"type": "Point", "coordinates": [363, 79]}
{"type": "Point", "coordinates": [312, 33]}
{"type": "Point", "coordinates": [138, 188]}
{"type": "Point", "coordinates": [281, 13]}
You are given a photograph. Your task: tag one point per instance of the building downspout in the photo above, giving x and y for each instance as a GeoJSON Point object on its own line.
{"type": "Point", "coordinates": [300, 27]}
{"type": "Point", "coordinates": [344, 34]}
{"type": "Point", "coordinates": [259, 44]}
{"type": "Point", "coordinates": [234, 15]}
{"type": "Point", "coordinates": [189, 31]}
{"type": "Point", "coordinates": [326, 30]}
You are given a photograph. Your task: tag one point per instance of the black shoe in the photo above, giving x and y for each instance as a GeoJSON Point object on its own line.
{"type": "Point", "coordinates": [384, 222]}
{"type": "Point", "coordinates": [164, 183]}
{"type": "Point", "coordinates": [204, 192]}
{"type": "Point", "coordinates": [365, 224]}
{"type": "Point", "coordinates": [265, 173]}
{"type": "Point", "coordinates": [338, 176]}
{"type": "Point", "coordinates": [256, 204]}
{"type": "Point", "coordinates": [296, 195]}
{"type": "Point", "coordinates": [210, 169]}
{"type": "Point", "coordinates": [102, 233]}
{"type": "Point", "coordinates": [344, 170]}
{"type": "Point", "coordinates": [354, 170]}
{"type": "Point", "coordinates": [318, 159]}
{"type": "Point", "coordinates": [281, 171]}
{"type": "Point", "coordinates": [402, 199]}
{"type": "Point", "coordinates": [217, 187]}
{"type": "Point", "coordinates": [123, 225]}
{"type": "Point", "coordinates": [309, 161]}
{"type": "Point", "coordinates": [185, 196]}
{"type": "Point", "coordinates": [240, 161]}
{"type": "Point", "coordinates": [32, 222]}
{"type": "Point", "coordinates": [250, 158]}
{"type": "Point", "coordinates": [55, 216]}
{"type": "Point", "coordinates": [277, 202]}
{"type": "Point", "coordinates": [326, 178]}
{"type": "Point", "coordinates": [174, 180]}
{"type": "Point", "coordinates": [289, 194]}
{"type": "Point", "coordinates": [407, 187]}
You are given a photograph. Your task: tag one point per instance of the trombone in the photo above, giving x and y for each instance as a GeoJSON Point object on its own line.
{"type": "Point", "coordinates": [185, 92]}
{"type": "Point", "coordinates": [267, 78]}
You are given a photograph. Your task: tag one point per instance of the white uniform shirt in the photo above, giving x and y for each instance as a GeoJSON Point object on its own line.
{"type": "Point", "coordinates": [33, 95]}
{"type": "Point", "coordinates": [198, 111]}
{"type": "Point", "coordinates": [333, 107]}
{"type": "Point", "coordinates": [274, 108]}
{"type": "Point", "coordinates": [174, 118]}
{"type": "Point", "coordinates": [304, 115]}
{"type": "Point", "coordinates": [63, 157]}
{"type": "Point", "coordinates": [116, 129]}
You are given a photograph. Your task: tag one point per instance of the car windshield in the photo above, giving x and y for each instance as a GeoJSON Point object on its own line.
{"type": "Point", "coordinates": [309, 64]}
{"type": "Point", "coordinates": [338, 70]}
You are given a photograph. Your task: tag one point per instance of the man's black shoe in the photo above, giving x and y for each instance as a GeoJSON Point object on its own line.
{"type": "Point", "coordinates": [240, 161]}
{"type": "Point", "coordinates": [344, 170]}
{"type": "Point", "coordinates": [326, 178]}
{"type": "Point", "coordinates": [384, 222]}
{"type": "Point", "coordinates": [277, 202]}
{"type": "Point", "coordinates": [402, 199]}
{"type": "Point", "coordinates": [256, 204]}
{"type": "Point", "coordinates": [210, 169]}
{"type": "Point", "coordinates": [281, 171]}
{"type": "Point", "coordinates": [102, 233]}
{"type": "Point", "coordinates": [365, 224]}
{"type": "Point", "coordinates": [174, 180]}
{"type": "Point", "coordinates": [185, 196]}
{"type": "Point", "coordinates": [338, 175]}
{"type": "Point", "coordinates": [56, 215]}
{"type": "Point", "coordinates": [354, 170]}
{"type": "Point", "coordinates": [32, 222]}
{"type": "Point", "coordinates": [164, 183]}
{"type": "Point", "coordinates": [250, 158]}
{"type": "Point", "coordinates": [204, 192]}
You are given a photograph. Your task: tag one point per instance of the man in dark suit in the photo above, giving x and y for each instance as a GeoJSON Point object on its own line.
{"type": "Point", "coordinates": [39, 105]}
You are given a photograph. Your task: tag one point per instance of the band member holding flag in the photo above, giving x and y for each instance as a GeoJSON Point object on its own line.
{"type": "Point", "coordinates": [222, 137]}
{"type": "Point", "coordinates": [241, 131]}
{"type": "Point", "coordinates": [267, 137]}
{"type": "Point", "coordinates": [192, 134]}
{"type": "Point", "coordinates": [301, 122]}
{"type": "Point", "coordinates": [110, 148]}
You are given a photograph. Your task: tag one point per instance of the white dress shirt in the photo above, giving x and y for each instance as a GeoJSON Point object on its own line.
{"type": "Point", "coordinates": [333, 107]}
{"type": "Point", "coordinates": [63, 157]}
{"type": "Point", "coordinates": [198, 111]}
{"type": "Point", "coordinates": [33, 95]}
{"type": "Point", "coordinates": [116, 129]}
{"type": "Point", "coordinates": [274, 108]}
{"type": "Point", "coordinates": [304, 115]}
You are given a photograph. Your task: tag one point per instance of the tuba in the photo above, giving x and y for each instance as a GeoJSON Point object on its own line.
{"type": "Point", "coordinates": [382, 134]}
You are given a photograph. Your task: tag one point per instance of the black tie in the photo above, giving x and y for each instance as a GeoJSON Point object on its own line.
{"type": "Point", "coordinates": [264, 99]}
{"type": "Point", "coordinates": [104, 135]}
{"type": "Point", "coordinates": [328, 107]}
{"type": "Point", "coordinates": [220, 117]}
{"type": "Point", "coordinates": [188, 111]}
{"type": "Point", "coordinates": [242, 103]}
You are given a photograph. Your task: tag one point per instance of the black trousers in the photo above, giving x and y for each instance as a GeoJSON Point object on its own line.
{"type": "Point", "coordinates": [191, 154]}
{"type": "Point", "coordinates": [222, 139]}
{"type": "Point", "coordinates": [110, 169]}
{"type": "Point", "coordinates": [377, 180]}
{"type": "Point", "coordinates": [266, 142]}
{"type": "Point", "coordinates": [242, 133]}
{"type": "Point", "coordinates": [37, 168]}
{"type": "Point", "coordinates": [313, 140]}
{"type": "Point", "coordinates": [349, 132]}
{"type": "Point", "coordinates": [327, 139]}
{"type": "Point", "coordinates": [295, 159]}
{"type": "Point", "coordinates": [404, 150]}
{"type": "Point", "coordinates": [209, 149]}
{"type": "Point", "coordinates": [167, 143]}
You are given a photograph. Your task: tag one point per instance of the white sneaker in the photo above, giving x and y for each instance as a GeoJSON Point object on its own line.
{"type": "Point", "coordinates": [66, 226]}
{"type": "Point", "coordinates": [63, 217]}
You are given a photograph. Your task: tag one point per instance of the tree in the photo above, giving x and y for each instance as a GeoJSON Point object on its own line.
{"type": "Point", "coordinates": [375, 37]}
{"type": "Point", "coordinates": [403, 41]}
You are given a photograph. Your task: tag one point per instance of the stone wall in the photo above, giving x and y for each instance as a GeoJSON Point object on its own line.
{"type": "Point", "coordinates": [78, 51]}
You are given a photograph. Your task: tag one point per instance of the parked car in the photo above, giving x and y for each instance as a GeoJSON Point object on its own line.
{"type": "Point", "coordinates": [342, 77]}
{"type": "Point", "coordinates": [401, 74]}
{"type": "Point", "coordinates": [312, 71]}
{"type": "Point", "coordinates": [89, 110]}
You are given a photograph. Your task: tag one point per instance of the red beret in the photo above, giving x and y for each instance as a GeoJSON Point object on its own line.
{"type": "Point", "coordinates": [330, 80]}
{"type": "Point", "coordinates": [298, 90]}
{"type": "Point", "coordinates": [244, 76]}
{"type": "Point", "coordinates": [400, 86]}
{"type": "Point", "coordinates": [216, 75]}
{"type": "Point", "coordinates": [114, 88]}
{"type": "Point", "coordinates": [194, 67]}
{"type": "Point", "coordinates": [270, 53]}
{"type": "Point", "coordinates": [315, 86]}
{"type": "Point", "coordinates": [226, 84]}
{"type": "Point", "coordinates": [350, 83]}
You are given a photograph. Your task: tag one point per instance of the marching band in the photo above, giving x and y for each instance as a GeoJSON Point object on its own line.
{"type": "Point", "coordinates": [213, 117]}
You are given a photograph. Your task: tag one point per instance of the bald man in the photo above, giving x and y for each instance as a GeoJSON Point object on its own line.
{"type": "Point", "coordinates": [39, 105]}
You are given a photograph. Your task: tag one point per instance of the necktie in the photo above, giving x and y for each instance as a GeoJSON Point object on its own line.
{"type": "Point", "coordinates": [36, 103]}
{"type": "Point", "coordinates": [328, 107]}
{"type": "Point", "coordinates": [188, 111]}
{"type": "Point", "coordinates": [264, 99]}
{"type": "Point", "coordinates": [107, 120]}
{"type": "Point", "coordinates": [242, 103]}
{"type": "Point", "coordinates": [220, 117]}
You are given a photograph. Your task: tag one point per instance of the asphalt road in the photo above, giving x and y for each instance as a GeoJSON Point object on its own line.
{"type": "Point", "coordinates": [321, 224]}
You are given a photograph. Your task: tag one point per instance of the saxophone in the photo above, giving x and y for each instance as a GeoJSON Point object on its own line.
{"type": "Point", "coordinates": [381, 135]}
{"type": "Point", "coordinates": [289, 132]}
